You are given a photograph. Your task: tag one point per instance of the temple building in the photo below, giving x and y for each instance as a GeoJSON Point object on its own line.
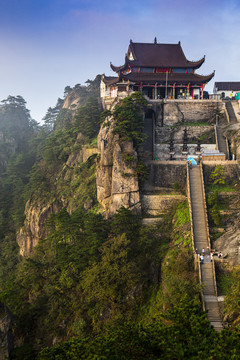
{"type": "Point", "coordinates": [226, 88]}
{"type": "Point", "coordinates": [160, 71]}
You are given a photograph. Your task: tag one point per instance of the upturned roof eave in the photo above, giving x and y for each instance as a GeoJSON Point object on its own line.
{"type": "Point", "coordinates": [172, 78]}
{"type": "Point", "coordinates": [196, 64]}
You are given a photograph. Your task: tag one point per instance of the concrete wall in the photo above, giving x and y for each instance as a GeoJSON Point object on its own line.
{"type": "Point", "coordinates": [159, 204]}
{"type": "Point", "coordinates": [163, 174]}
{"type": "Point", "coordinates": [236, 108]}
{"type": "Point", "coordinates": [193, 132]}
{"type": "Point", "coordinates": [180, 111]}
{"type": "Point", "coordinates": [231, 170]}
{"type": "Point", "coordinates": [166, 173]}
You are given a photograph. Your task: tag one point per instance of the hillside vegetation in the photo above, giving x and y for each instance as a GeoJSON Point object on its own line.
{"type": "Point", "coordinates": [94, 288]}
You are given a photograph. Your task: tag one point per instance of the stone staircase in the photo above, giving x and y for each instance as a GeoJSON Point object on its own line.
{"type": "Point", "coordinates": [231, 113]}
{"type": "Point", "coordinates": [201, 241]}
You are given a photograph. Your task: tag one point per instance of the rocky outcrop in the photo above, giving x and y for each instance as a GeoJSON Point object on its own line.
{"type": "Point", "coordinates": [229, 242]}
{"type": "Point", "coordinates": [117, 181]}
{"type": "Point", "coordinates": [232, 133]}
{"type": "Point", "coordinates": [73, 100]}
{"type": "Point", "coordinates": [34, 228]}
{"type": "Point", "coordinates": [6, 338]}
{"type": "Point", "coordinates": [81, 156]}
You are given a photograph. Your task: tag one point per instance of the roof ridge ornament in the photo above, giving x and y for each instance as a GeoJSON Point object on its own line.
{"type": "Point", "coordinates": [155, 40]}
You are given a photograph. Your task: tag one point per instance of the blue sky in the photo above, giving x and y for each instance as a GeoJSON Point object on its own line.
{"type": "Point", "coordinates": [49, 44]}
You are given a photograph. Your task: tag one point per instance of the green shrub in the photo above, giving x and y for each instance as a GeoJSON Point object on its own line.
{"type": "Point", "coordinates": [176, 186]}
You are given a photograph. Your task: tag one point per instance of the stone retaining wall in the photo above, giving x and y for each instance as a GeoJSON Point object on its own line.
{"type": "Point", "coordinates": [231, 170]}
{"type": "Point", "coordinates": [158, 204]}
{"type": "Point", "coordinates": [166, 173]}
{"type": "Point", "coordinates": [193, 133]}
{"type": "Point", "coordinates": [180, 111]}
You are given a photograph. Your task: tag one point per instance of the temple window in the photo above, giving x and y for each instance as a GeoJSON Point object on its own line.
{"type": "Point", "coordinates": [146, 69]}
{"type": "Point", "coordinates": [178, 70]}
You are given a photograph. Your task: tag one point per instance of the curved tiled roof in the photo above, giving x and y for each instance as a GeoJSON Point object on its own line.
{"type": "Point", "coordinates": [161, 55]}
{"type": "Point", "coordinates": [117, 68]}
{"type": "Point", "coordinates": [152, 78]}
{"type": "Point", "coordinates": [157, 55]}
{"type": "Point", "coordinates": [227, 85]}
{"type": "Point", "coordinates": [110, 80]}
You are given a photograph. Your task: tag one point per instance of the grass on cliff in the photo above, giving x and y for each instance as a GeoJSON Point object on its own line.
{"type": "Point", "coordinates": [220, 188]}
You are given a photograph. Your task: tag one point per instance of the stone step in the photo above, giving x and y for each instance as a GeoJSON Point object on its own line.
{"type": "Point", "coordinates": [201, 242]}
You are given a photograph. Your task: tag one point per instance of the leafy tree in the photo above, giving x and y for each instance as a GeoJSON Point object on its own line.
{"type": "Point", "coordinates": [16, 122]}
{"type": "Point", "coordinates": [129, 121]}
{"type": "Point", "coordinates": [213, 203]}
{"type": "Point", "coordinates": [218, 175]}
{"type": "Point", "coordinates": [51, 115]}
{"type": "Point", "coordinates": [110, 284]}
{"type": "Point", "coordinates": [67, 90]}
{"type": "Point", "coordinates": [182, 333]}
{"type": "Point", "coordinates": [232, 303]}
{"type": "Point", "coordinates": [88, 117]}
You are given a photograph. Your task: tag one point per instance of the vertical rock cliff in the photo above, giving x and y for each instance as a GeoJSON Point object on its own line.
{"type": "Point", "coordinates": [117, 181]}
{"type": "Point", "coordinates": [34, 228]}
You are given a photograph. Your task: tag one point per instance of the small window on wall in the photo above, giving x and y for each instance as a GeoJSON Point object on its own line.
{"type": "Point", "coordinates": [189, 70]}
{"type": "Point", "coordinates": [114, 92]}
{"type": "Point", "coordinates": [178, 70]}
{"type": "Point", "coordinates": [130, 56]}
{"type": "Point", "coordinates": [146, 69]}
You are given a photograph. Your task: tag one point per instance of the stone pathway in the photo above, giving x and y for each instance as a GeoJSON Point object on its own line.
{"type": "Point", "coordinates": [222, 144]}
{"type": "Point", "coordinates": [231, 113]}
{"type": "Point", "coordinates": [201, 242]}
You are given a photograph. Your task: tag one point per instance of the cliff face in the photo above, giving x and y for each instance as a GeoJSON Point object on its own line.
{"type": "Point", "coordinates": [70, 192]}
{"type": "Point", "coordinates": [117, 182]}
{"type": "Point", "coordinates": [34, 228]}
